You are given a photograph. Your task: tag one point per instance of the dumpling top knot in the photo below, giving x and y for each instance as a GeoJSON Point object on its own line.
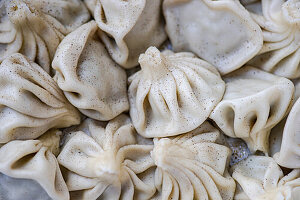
{"type": "Point", "coordinates": [153, 63]}
{"type": "Point", "coordinates": [291, 11]}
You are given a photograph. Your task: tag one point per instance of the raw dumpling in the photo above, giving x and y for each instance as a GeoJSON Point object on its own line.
{"type": "Point", "coordinates": [261, 178]}
{"type": "Point", "coordinates": [173, 93]}
{"type": "Point", "coordinates": [253, 103]}
{"type": "Point", "coordinates": [36, 160]}
{"type": "Point", "coordinates": [220, 32]}
{"type": "Point", "coordinates": [107, 162]}
{"type": "Point", "coordinates": [290, 150]}
{"type": "Point", "coordinates": [277, 132]}
{"type": "Point", "coordinates": [193, 166]}
{"type": "Point", "coordinates": [35, 28]}
{"type": "Point", "coordinates": [281, 32]}
{"type": "Point", "coordinates": [128, 27]}
{"type": "Point", "coordinates": [90, 79]}
{"type": "Point", "coordinates": [30, 101]}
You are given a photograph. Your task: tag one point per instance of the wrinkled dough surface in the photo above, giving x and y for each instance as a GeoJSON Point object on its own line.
{"type": "Point", "coordinates": [192, 166]}
{"type": "Point", "coordinates": [128, 27]}
{"type": "Point", "coordinates": [90, 79]}
{"type": "Point", "coordinates": [36, 160]}
{"type": "Point", "coordinates": [261, 178]}
{"type": "Point", "coordinates": [253, 103]}
{"type": "Point", "coordinates": [106, 162]}
{"type": "Point", "coordinates": [35, 28]}
{"type": "Point", "coordinates": [30, 101]}
{"type": "Point", "coordinates": [280, 54]}
{"type": "Point", "coordinates": [173, 93]}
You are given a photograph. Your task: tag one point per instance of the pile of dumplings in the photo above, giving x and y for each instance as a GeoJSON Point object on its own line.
{"type": "Point", "coordinates": [144, 99]}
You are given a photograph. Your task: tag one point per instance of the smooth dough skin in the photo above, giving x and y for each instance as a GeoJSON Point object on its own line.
{"type": "Point", "coordinates": [220, 32]}
{"type": "Point", "coordinates": [290, 146]}
{"type": "Point", "coordinates": [280, 22]}
{"type": "Point", "coordinates": [105, 160]}
{"type": "Point", "coordinates": [36, 160]}
{"type": "Point", "coordinates": [36, 27]}
{"type": "Point", "coordinates": [173, 93]}
{"type": "Point", "coordinates": [253, 103]}
{"type": "Point", "coordinates": [260, 178]}
{"type": "Point", "coordinates": [128, 27]}
{"type": "Point", "coordinates": [30, 101]}
{"type": "Point", "coordinates": [89, 78]}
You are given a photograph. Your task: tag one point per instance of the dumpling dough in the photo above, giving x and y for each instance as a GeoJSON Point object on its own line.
{"type": "Point", "coordinates": [193, 166]}
{"type": "Point", "coordinates": [90, 79]}
{"type": "Point", "coordinates": [35, 28]}
{"type": "Point", "coordinates": [128, 27]}
{"type": "Point", "coordinates": [261, 178]}
{"type": "Point", "coordinates": [253, 103]}
{"type": "Point", "coordinates": [281, 32]}
{"type": "Point", "coordinates": [36, 160]}
{"type": "Point", "coordinates": [220, 32]}
{"type": "Point", "coordinates": [173, 93]}
{"type": "Point", "coordinates": [107, 162]}
{"type": "Point", "coordinates": [277, 132]}
{"type": "Point", "coordinates": [30, 101]}
{"type": "Point", "coordinates": [290, 149]}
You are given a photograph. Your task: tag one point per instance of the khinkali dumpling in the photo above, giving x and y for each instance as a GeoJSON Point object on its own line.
{"type": "Point", "coordinates": [253, 103]}
{"type": "Point", "coordinates": [35, 28]}
{"type": "Point", "coordinates": [220, 32]}
{"type": "Point", "coordinates": [173, 93]}
{"type": "Point", "coordinates": [277, 132]}
{"type": "Point", "coordinates": [30, 101]}
{"type": "Point", "coordinates": [289, 155]}
{"type": "Point", "coordinates": [281, 32]}
{"type": "Point", "coordinates": [90, 79]}
{"type": "Point", "coordinates": [128, 27]}
{"type": "Point", "coordinates": [193, 166]}
{"type": "Point", "coordinates": [107, 162]}
{"type": "Point", "coordinates": [261, 178]}
{"type": "Point", "coordinates": [36, 160]}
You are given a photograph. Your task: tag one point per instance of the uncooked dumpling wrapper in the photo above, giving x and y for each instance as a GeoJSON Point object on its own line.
{"type": "Point", "coordinates": [30, 101]}
{"type": "Point", "coordinates": [280, 22]}
{"type": "Point", "coordinates": [290, 149]}
{"type": "Point", "coordinates": [220, 32]}
{"type": "Point", "coordinates": [35, 28]}
{"type": "Point", "coordinates": [193, 166]}
{"type": "Point", "coordinates": [260, 178]}
{"type": "Point", "coordinates": [36, 160]}
{"type": "Point", "coordinates": [128, 27]}
{"type": "Point", "coordinates": [106, 161]}
{"type": "Point", "coordinates": [173, 93]}
{"type": "Point", "coordinates": [90, 79]}
{"type": "Point", "coordinates": [253, 103]}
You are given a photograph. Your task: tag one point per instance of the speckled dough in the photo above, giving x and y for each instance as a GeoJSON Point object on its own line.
{"type": "Point", "coordinates": [107, 162]}
{"type": "Point", "coordinates": [253, 103]}
{"type": "Point", "coordinates": [220, 32]}
{"type": "Point", "coordinates": [261, 178]}
{"type": "Point", "coordinates": [280, 22]}
{"type": "Point", "coordinates": [173, 93]}
{"type": "Point", "coordinates": [30, 101]}
{"type": "Point", "coordinates": [193, 166]}
{"type": "Point", "coordinates": [35, 27]}
{"type": "Point", "coordinates": [36, 160]}
{"type": "Point", "coordinates": [90, 79]}
{"type": "Point", "coordinates": [129, 27]}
